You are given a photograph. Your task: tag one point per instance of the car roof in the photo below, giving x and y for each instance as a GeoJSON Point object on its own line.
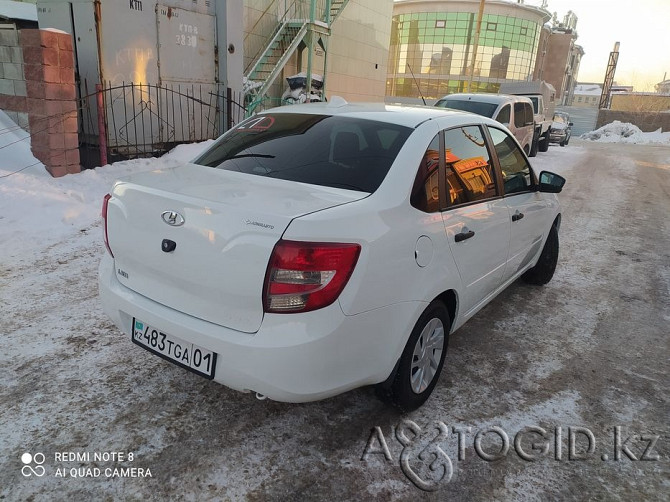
{"type": "Point", "coordinates": [481, 97]}
{"type": "Point", "coordinates": [398, 114]}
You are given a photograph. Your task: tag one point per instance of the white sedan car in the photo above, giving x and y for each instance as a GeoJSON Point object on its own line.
{"type": "Point", "coordinates": [318, 248]}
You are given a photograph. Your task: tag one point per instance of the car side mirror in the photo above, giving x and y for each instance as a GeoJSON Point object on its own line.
{"type": "Point", "coordinates": [550, 182]}
{"type": "Point", "coordinates": [571, 124]}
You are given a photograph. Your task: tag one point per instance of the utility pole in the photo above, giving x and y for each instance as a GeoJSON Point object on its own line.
{"type": "Point", "coordinates": [471, 70]}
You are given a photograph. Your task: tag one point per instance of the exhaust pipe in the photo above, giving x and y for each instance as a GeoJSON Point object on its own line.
{"type": "Point", "coordinates": [260, 396]}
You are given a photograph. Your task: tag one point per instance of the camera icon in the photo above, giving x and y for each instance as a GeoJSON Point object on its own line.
{"type": "Point", "coordinates": [28, 470]}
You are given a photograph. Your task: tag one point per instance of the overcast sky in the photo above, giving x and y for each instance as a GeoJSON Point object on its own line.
{"type": "Point", "coordinates": [642, 27]}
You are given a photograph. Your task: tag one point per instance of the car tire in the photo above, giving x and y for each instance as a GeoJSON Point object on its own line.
{"type": "Point", "coordinates": [567, 140]}
{"type": "Point", "coordinates": [543, 144]}
{"type": "Point", "coordinates": [533, 147]}
{"type": "Point", "coordinates": [562, 143]}
{"type": "Point", "coordinates": [545, 267]}
{"type": "Point", "coordinates": [408, 388]}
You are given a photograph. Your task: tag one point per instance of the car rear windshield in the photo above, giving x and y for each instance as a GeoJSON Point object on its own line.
{"type": "Point", "coordinates": [485, 109]}
{"type": "Point", "coordinates": [326, 150]}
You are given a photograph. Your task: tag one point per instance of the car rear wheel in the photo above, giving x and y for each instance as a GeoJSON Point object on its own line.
{"type": "Point", "coordinates": [421, 362]}
{"type": "Point", "coordinates": [533, 146]}
{"type": "Point", "coordinates": [544, 269]}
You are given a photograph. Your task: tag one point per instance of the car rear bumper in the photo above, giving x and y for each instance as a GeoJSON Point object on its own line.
{"type": "Point", "coordinates": [293, 357]}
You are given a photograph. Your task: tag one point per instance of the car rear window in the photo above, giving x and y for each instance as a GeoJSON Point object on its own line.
{"type": "Point", "coordinates": [485, 109]}
{"type": "Point", "coordinates": [339, 152]}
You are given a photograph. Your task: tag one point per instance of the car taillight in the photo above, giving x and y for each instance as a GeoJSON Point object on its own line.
{"type": "Point", "coordinates": [304, 276]}
{"type": "Point", "coordinates": [105, 204]}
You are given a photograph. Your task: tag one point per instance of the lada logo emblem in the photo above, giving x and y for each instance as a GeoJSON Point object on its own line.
{"type": "Point", "coordinates": [173, 218]}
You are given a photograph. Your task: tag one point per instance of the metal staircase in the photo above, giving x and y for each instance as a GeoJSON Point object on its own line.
{"type": "Point", "coordinates": [277, 53]}
{"type": "Point", "coordinates": [336, 8]}
{"type": "Point", "coordinates": [286, 38]}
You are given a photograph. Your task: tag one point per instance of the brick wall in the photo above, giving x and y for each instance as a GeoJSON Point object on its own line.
{"type": "Point", "coordinates": [37, 91]}
{"type": "Point", "coordinates": [51, 99]}
{"type": "Point", "coordinates": [12, 80]}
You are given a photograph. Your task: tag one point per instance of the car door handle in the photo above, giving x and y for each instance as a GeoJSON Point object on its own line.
{"type": "Point", "coordinates": [464, 235]}
{"type": "Point", "coordinates": [517, 216]}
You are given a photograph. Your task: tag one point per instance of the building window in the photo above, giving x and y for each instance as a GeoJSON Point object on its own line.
{"type": "Point", "coordinates": [523, 31]}
{"type": "Point", "coordinates": [440, 23]}
{"type": "Point", "coordinates": [579, 99]}
{"type": "Point", "coordinates": [491, 26]}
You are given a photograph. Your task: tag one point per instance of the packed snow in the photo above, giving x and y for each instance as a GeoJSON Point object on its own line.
{"type": "Point", "coordinates": [71, 381]}
{"type": "Point", "coordinates": [625, 132]}
{"type": "Point", "coordinates": [37, 210]}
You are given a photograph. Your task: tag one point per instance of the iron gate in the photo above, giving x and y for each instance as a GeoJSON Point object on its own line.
{"type": "Point", "coordinates": [146, 120]}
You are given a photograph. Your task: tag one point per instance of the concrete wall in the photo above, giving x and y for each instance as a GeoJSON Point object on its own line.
{"type": "Point", "coordinates": [646, 121]}
{"type": "Point", "coordinates": [359, 50]}
{"type": "Point", "coordinates": [13, 92]}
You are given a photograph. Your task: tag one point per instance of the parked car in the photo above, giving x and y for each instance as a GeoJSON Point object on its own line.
{"type": "Point", "coordinates": [514, 112]}
{"type": "Point", "coordinates": [561, 129]}
{"type": "Point", "coordinates": [543, 96]}
{"type": "Point", "coordinates": [317, 248]}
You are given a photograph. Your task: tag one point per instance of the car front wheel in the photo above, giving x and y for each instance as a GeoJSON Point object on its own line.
{"type": "Point", "coordinates": [544, 269]}
{"type": "Point", "coordinates": [543, 144]}
{"type": "Point", "coordinates": [421, 362]}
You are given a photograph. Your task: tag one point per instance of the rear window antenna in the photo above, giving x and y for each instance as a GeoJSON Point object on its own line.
{"type": "Point", "coordinates": [417, 85]}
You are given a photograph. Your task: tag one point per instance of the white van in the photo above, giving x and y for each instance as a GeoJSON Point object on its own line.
{"type": "Point", "coordinates": [514, 112]}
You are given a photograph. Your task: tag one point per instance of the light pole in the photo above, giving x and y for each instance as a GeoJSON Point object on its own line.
{"type": "Point", "coordinates": [471, 69]}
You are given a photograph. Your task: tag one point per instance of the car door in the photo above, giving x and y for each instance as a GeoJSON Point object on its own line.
{"type": "Point", "coordinates": [476, 217]}
{"type": "Point", "coordinates": [528, 212]}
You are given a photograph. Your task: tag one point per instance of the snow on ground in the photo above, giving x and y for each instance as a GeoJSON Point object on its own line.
{"type": "Point", "coordinates": [37, 210]}
{"type": "Point", "coordinates": [625, 132]}
{"type": "Point", "coordinates": [73, 384]}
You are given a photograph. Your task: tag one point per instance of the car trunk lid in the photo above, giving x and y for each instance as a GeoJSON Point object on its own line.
{"type": "Point", "coordinates": [223, 226]}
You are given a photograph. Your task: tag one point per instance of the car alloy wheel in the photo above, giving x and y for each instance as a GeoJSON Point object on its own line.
{"type": "Point", "coordinates": [427, 355]}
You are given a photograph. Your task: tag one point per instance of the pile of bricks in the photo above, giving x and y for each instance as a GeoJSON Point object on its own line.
{"type": "Point", "coordinates": [51, 99]}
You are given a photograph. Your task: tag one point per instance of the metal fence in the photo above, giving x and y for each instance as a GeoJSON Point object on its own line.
{"type": "Point", "coordinates": [146, 120]}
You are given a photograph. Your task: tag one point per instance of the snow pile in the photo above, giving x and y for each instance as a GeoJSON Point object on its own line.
{"type": "Point", "coordinates": [37, 210]}
{"type": "Point", "coordinates": [625, 132]}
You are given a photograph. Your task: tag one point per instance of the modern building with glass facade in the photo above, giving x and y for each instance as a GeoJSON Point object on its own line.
{"type": "Point", "coordinates": [434, 47]}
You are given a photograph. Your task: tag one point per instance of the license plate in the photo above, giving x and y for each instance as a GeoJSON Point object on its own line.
{"type": "Point", "coordinates": [174, 349]}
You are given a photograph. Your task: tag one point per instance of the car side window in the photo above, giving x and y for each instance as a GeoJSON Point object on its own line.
{"type": "Point", "coordinates": [530, 115]}
{"type": "Point", "coordinates": [504, 115]}
{"type": "Point", "coordinates": [517, 175]}
{"type": "Point", "coordinates": [519, 114]}
{"type": "Point", "coordinates": [470, 176]}
{"type": "Point", "coordinates": [426, 190]}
